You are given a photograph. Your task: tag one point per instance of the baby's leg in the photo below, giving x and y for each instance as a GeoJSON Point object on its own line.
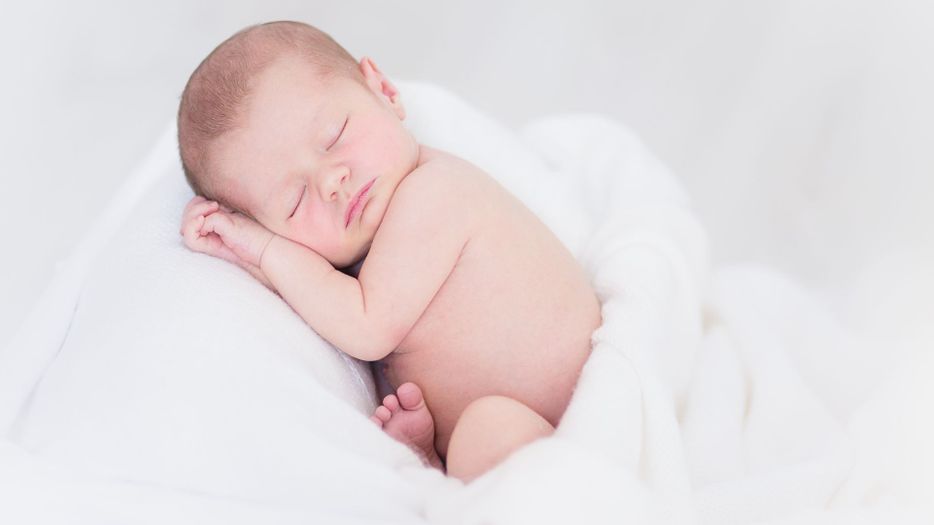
{"type": "Point", "coordinates": [488, 430]}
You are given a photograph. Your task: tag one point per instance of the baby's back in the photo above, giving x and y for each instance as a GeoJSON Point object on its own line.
{"type": "Point", "coordinates": [513, 318]}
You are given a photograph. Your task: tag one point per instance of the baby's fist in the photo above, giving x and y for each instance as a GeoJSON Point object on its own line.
{"type": "Point", "coordinates": [243, 236]}
{"type": "Point", "coordinates": [192, 220]}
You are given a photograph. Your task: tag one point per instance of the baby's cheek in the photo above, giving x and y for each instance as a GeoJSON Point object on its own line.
{"type": "Point", "coordinates": [319, 235]}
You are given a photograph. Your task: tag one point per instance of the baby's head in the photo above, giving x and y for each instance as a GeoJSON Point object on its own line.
{"type": "Point", "coordinates": [280, 123]}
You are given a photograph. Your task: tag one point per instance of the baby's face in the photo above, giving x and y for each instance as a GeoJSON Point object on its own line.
{"type": "Point", "coordinates": [318, 161]}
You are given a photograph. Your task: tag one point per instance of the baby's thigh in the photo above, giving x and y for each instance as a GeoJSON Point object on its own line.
{"type": "Point", "coordinates": [489, 429]}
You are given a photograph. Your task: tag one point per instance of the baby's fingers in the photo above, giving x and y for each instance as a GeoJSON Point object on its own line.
{"type": "Point", "coordinates": [212, 244]}
{"type": "Point", "coordinates": [191, 232]}
{"type": "Point", "coordinates": [218, 223]}
{"type": "Point", "coordinates": [194, 201]}
{"type": "Point", "coordinates": [195, 209]}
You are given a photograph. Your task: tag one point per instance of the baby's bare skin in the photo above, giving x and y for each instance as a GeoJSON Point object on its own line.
{"type": "Point", "coordinates": [480, 315]}
{"type": "Point", "coordinates": [513, 318]}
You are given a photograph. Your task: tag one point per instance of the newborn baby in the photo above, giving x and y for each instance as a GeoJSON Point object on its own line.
{"type": "Point", "coordinates": [302, 167]}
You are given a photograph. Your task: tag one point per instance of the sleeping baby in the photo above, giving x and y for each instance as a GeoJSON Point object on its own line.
{"type": "Point", "coordinates": [393, 251]}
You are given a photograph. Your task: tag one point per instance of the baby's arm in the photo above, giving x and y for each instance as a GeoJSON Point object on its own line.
{"type": "Point", "coordinates": [418, 244]}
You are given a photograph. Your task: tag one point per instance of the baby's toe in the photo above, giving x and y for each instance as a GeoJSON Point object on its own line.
{"type": "Point", "coordinates": [410, 396]}
{"type": "Point", "coordinates": [391, 402]}
{"type": "Point", "coordinates": [377, 420]}
{"type": "Point", "coordinates": [382, 413]}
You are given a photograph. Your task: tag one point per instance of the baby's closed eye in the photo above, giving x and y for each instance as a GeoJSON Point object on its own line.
{"type": "Point", "coordinates": [299, 202]}
{"type": "Point", "coordinates": [340, 133]}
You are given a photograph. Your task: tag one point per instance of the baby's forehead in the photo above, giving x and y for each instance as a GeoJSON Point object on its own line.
{"type": "Point", "coordinates": [289, 88]}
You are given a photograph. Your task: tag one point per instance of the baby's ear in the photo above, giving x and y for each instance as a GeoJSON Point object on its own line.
{"type": "Point", "coordinates": [381, 85]}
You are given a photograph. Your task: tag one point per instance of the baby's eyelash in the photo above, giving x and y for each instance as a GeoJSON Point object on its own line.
{"type": "Point", "coordinates": [295, 209]}
{"type": "Point", "coordinates": [339, 133]}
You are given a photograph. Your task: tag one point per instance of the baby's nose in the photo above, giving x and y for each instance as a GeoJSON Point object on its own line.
{"type": "Point", "coordinates": [334, 183]}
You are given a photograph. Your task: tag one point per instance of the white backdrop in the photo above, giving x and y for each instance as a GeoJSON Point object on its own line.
{"type": "Point", "coordinates": [802, 128]}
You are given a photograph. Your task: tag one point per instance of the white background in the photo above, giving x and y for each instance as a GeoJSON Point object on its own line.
{"type": "Point", "coordinates": [802, 128]}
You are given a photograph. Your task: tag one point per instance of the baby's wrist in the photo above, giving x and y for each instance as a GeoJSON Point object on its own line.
{"type": "Point", "coordinates": [262, 253]}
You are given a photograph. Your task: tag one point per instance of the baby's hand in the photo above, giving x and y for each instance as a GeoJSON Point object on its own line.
{"type": "Point", "coordinates": [209, 228]}
{"type": "Point", "coordinates": [192, 220]}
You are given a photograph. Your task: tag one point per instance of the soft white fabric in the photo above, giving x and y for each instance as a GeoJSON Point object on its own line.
{"type": "Point", "coordinates": [152, 379]}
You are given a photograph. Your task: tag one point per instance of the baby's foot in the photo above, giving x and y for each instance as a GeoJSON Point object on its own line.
{"type": "Point", "coordinates": [405, 417]}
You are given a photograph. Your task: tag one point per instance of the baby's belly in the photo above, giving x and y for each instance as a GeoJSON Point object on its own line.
{"type": "Point", "coordinates": [524, 336]}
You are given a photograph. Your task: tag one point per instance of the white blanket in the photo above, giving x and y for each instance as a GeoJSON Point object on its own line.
{"type": "Point", "coordinates": [709, 398]}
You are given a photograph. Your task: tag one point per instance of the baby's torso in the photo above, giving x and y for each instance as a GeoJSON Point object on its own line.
{"type": "Point", "coordinates": [513, 318]}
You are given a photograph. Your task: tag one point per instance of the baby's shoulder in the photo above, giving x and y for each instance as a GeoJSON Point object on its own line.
{"type": "Point", "coordinates": [443, 175]}
{"type": "Point", "coordinates": [434, 197]}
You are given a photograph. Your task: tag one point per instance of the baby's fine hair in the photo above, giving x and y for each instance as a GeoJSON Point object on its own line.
{"type": "Point", "coordinates": [215, 95]}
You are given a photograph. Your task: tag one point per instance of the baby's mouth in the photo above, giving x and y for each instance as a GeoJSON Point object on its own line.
{"type": "Point", "coordinates": [357, 202]}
